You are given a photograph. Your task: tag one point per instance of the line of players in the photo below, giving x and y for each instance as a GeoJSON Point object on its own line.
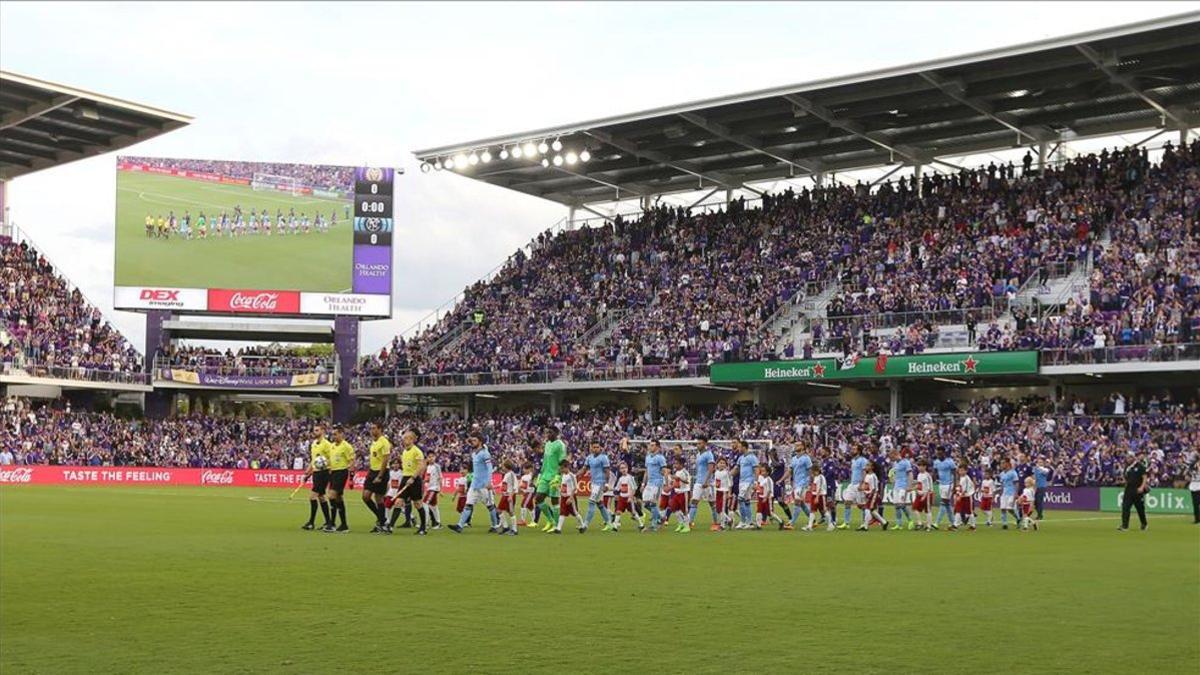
{"type": "Point", "coordinates": [237, 224]}
{"type": "Point", "coordinates": [741, 496]}
{"type": "Point", "coordinates": [751, 504]}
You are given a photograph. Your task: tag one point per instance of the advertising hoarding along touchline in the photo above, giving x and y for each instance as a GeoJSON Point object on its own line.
{"type": "Point", "coordinates": [255, 238]}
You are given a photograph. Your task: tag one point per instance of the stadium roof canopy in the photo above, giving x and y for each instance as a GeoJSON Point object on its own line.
{"type": "Point", "coordinates": [43, 124]}
{"type": "Point", "coordinates": [1139, 76]}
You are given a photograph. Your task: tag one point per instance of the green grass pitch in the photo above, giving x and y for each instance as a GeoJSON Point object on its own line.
{"type": "Point", "coordinates": [311, 262]}
{"type": "Point", "coordinates": [210, 580]}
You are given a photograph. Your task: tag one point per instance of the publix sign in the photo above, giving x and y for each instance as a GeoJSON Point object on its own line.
{"type": "Point", "coordinates": [1159, 500]}
{"type": "Point", "coordinates": [879, 367]}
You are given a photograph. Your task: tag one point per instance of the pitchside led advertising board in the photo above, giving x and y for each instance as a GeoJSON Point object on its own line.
{"type": "Point", "coordinates": [879, 367]}
{"type": "Point", "coordinates": [259, 238]}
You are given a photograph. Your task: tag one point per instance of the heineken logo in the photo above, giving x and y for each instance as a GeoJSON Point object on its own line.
{"type": "Point", "coordinates": [967, 365]}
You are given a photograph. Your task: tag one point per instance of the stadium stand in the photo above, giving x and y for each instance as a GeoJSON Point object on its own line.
{"type": "Point", "coordinates": [50, 330]}
{"type": "Point", "coordinates": [897, 264]}
{"type": "Point", "coordinates": [264, 360]}
{"type": "Point", "coordinates": [1084, 447]}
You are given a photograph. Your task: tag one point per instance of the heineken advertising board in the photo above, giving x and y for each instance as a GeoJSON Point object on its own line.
{"type": "Point", "coordinates": [879, 367]}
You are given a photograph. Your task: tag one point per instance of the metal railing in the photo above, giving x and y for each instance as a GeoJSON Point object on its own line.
{"type": "Point", "coordinates": [937, 317]}
{"type": "Point", "coordinates": [408, 378]}
{"type": "Point", "coordinates": [73, 373]}
{"type": "Point", "coordinates": [1071, 356]}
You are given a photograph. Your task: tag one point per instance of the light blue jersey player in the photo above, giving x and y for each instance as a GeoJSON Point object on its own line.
{"type": "Point", "coordinates": [858, 467]}
{"type": "Point", "coordinates": [746, 463]}
{"type": "Point", "coordinates": [655, 463]}
{"type": "Point", "coordinates": [901, 477]}
{"type": "Point", "coordinates": [945, 468]}
{"type": "Point", "coordinates": [798, 469]}
{"type": "Point", "coordinates": [1009, 481]}
{"type": "Point", "coordinates": [598, 470]}
{"type": "Point", "coordinates": [480, 488]}
{"type": "Point", "coordinates": [702, 488]}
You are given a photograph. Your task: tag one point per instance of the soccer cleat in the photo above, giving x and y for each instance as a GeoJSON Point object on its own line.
{"type": "Point", "coordinates": [307, 526]}
{"type": "Point", "coordinates": [547, 527]}
{"type": "Point", "coordinates": [522, 523]}
{"type": "Point", "coordinates": [582, 529]}
{"type": "Point", "coordinates": [607, 527]}
{"type": "Point", "coordinates": [911, 525]}
{"type": "Point", "coordinates": [343, 528]}
{"type": "Point", "coordinates": [843, 526]}
{"type": "Point", "coordinates": [861, 529]}
{"type": "Point", "coordinates": [555, 531]}
{"type": "Point", "coordinates": [436, 526]}
{"type": "Point", "coordinates": [786, 526]}
{"type": "Point", "coordinates": [455, 528]}
{"type": "Point", "coordinates": [714, 528]}
{"type": "Point", "coordinates": [1004, 527]}
{"type": "Point", "coordinates": [420, 531]}
{"type": "Point", "coordinates": [685, 530]}
{"type": "Point", "coordinates": [376, 530]}
{"type": "Point", "coordinates": [328, 528]}
{"type": "Point", "coordinates": [885, 525]}
{"type": "Point", "coordinates": [511, 532]}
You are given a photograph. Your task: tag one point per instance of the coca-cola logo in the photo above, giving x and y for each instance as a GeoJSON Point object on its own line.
{"type": "Point", "coordinates": [21, 475]}
{"type": "Point", "coordinates": [253, 301]}
{"type": "Point", "coordinates": [258, 302]}
{"type": "Point", "coordinates": [208, 477]}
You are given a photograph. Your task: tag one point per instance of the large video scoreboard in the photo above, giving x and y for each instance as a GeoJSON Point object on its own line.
{"type": "Point", "coordinates": [265, 238]}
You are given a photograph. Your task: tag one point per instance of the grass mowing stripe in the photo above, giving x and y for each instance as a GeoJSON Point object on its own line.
{"type": "Point", "coordinates": [203, 579]}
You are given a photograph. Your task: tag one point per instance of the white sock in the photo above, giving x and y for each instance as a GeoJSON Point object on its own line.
{"type": "Point", "coordinates": [561, 519]}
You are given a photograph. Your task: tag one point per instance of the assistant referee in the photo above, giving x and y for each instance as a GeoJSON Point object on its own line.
{"type": "Point", "coordinates": [412, 469]}
{"type": "Point", "coordinates": [318, 467]}
{"type": "Point", "coordinates": [1136, 486]}
{"type": "Point", "coordinates": [376, 484]}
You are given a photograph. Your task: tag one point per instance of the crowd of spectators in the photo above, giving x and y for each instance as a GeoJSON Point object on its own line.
{"type": "Point", "coordinates": [309, 175]}
{"type": "Point", "coordinates": [256, 360]}
{"type": "Point", "coordinates": [48, 327]}
{"type": "Point", "coordinates": [685, 289]}
{"type": "Point", "coordinates": [1084, 443]}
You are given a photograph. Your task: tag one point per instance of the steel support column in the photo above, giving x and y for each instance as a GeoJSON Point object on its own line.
{"type": "Point", "coordinates": [895, 402]}
{"type": "Point", "coordinates": [345, 346]}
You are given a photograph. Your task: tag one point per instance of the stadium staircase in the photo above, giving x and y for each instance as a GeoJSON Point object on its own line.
{"type": "Point", "coordinates": [793, 325]}
{"type": "Point", "coordinates": [598, 332]}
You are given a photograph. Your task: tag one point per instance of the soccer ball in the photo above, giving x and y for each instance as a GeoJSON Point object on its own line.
{"type": "Point", "coordinates": [320, 463]}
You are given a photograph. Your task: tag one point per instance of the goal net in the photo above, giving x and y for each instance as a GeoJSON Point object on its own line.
{"type": "Point", "coordinates": [272, 182]}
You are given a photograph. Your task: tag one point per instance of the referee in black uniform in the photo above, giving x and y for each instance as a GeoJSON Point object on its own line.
{"type": "Point", "coordinates": [1136, 486]}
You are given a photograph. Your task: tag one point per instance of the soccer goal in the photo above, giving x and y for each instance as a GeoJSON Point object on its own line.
{"type": "Point", "coordinates": [274, 183]}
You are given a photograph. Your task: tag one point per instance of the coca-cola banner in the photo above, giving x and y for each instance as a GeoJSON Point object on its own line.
{"type": "Point", "coordinates": [149, 475]}
{"type": "Point", "coordinates": [253, 302]}
{"type": "Point", "coordinates": [243, 381]}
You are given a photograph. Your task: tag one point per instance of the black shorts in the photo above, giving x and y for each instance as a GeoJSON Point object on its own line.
{"type": "Point", "coordinates": [379, 488]}
{"type": "Point", "coordinates": [411, 490]}
{"type": "Point", "coordinates": [320, 481]}
{"type": "Point", "coordinates": [337, 479]}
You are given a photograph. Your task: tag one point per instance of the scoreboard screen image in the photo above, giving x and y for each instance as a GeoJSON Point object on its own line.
{"type": "Point", "coordinates": [265, 238]}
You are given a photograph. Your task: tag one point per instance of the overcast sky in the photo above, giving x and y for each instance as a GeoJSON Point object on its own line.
{"type": "Point", "coordinates": [369, 83]}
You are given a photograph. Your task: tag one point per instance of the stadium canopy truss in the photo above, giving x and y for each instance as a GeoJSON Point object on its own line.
{"type": "Point", "coordinates": [1135, 77]}
{"type": "Point", "coordinates": [43, 124]}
